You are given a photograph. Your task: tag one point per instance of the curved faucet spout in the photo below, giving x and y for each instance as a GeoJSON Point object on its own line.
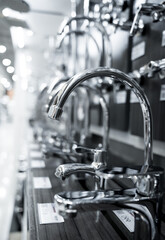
{"type": "Point", "coordinates": [61, 97]}
{"type": "Point", "coordinates": [69, 203]}
{"type": "Point", "coordinates": [98, 25]}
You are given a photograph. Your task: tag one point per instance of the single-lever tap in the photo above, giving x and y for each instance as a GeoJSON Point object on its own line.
{"type": "Point", "coordinates": [56, 109]}
{"type": "Point", "coordinates": [148, 181]}
{"type": "Point", "coordinates": [155, 10]}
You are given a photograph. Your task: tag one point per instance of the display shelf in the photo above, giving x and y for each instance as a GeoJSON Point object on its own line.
{"type": "Point", "coordinates": [131, 140]}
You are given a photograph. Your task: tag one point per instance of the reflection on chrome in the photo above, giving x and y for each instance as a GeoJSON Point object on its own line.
{"type": "Point", "coordinates": [99, 155]}
{"type": "Point", "coordinates": [147, 180]}
{"type": "Point", "coordinates": [154, 10]}
{"type": "Point", "coordinates": [105, 57]}
{"type": "Point", "coordinates": [56, 109]}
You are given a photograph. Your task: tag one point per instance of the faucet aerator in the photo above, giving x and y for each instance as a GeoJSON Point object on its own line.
{"type": "Point", "coordinates": [55, 112]}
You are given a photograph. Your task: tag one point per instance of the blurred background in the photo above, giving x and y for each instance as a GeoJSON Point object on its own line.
{"type": "Point", "coordinates": [34, 53]}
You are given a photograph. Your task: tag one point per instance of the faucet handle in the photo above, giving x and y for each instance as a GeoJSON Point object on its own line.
{"type": "Point", "coordinates": [65, 170]}
{"type": "Point", "coordinates": [100, 155]}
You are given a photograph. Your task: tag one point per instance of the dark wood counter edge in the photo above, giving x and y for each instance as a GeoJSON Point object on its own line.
{"type": "Point", "coordinates": [33, 234]}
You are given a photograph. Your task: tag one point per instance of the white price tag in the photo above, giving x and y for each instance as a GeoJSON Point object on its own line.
{"type": "Point", "coordinates": [162, 93]}
{"type": "Point", "coordinates": [37, 164]}
{"type": "Point", "coordinates": [41, 182]}
{"type": "Point", "coordinates": [138, 51]}
{"type": "Point", "coordinates": [163, 39]}
{"type": "Point", "coordinates": [47, 214]}
{"type": "Point", "coordinates": [121, 97]}
{"type": "Point", "coordinates": [133, 98]}
{"type": "Point", "coordinates": [127, 218]}
{"type": "Point", "coordinates": [36, 154]}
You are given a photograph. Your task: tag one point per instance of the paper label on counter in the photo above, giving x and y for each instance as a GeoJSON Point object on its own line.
{"type": "Point", "coordinates": [41, 183]}
{"type": "Point", "coordinates": [163, 39]}
{"type": "Point", "coordinates": [162, 93]}
{"type": "Point", "coordinates": [138, 51]}
{"type": "Point", "coordinates": [127, 218]}
{"type": "Point", "coordinates": [47, 214]}
{"type": "Point", "coordinates": [121, 97]}
{"type": "Point", "coordinates": [36, 154]}
{"type": "Point", "coordinates": [37, 164]}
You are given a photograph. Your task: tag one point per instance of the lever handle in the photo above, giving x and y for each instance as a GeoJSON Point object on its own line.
{"type": "Point", "coordinates": [100, 155]}
{"type": "Point", "coordinates": [65, 170]}
{"type": "Point", "coordinates": [83, 150]}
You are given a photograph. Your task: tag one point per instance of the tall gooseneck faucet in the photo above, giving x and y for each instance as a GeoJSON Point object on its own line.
{"type": "Point", "coordinates": [56, 109]}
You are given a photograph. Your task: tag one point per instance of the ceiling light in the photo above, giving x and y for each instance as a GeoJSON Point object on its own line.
{"type": "Point", "coordinates": [10, 13]}
{"type": "Point", "coordinates": [28, 58]}
{"type": "Point", "coordinates": [6, 12]}
{"type": "Point", "coordinates": [2, 49]}
{"type": "Point", "coordinates": [6, 62]}
{"type": "Point", "coordinates": [14, 77]}
{"type": "Point", "coordinates": [18, 36]}
{"type": "Point", "coordinates": [10, 69]}
{"type": "Point", "coordinates": [5, 82]}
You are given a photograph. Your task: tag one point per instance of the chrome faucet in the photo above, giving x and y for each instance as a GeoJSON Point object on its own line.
{"type": "Point", "coordinates": [56, 109]}
{"type": "Point", "coordinates": [155, 10]}
{"type": "Point", "coordinates": [147, 181]}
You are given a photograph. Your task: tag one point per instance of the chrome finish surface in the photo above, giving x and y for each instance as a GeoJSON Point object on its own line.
{"type": "Point", "coordinates": [76, 32]}
{"type": "Point", "coordinates": [58, 81]}
{"type": "Point", "coordinates": [67, 203]}
{"type": "Point", "coordinates": [105, 114]}
{"type": "Point", "coordinates": [66, 170]}
{"type": "Point", "coordinates": [98, 25]}
{"type": "Point", "coordinates": [100, 155]}
{"type": "Point", "coordinates": [154, 10]}
{"type": "Point", "coordinates": [146, 213]}
{"type": "Point", "coordinates": [114, 74]}
{"type": "Point", "coordinates": [147, 184]}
